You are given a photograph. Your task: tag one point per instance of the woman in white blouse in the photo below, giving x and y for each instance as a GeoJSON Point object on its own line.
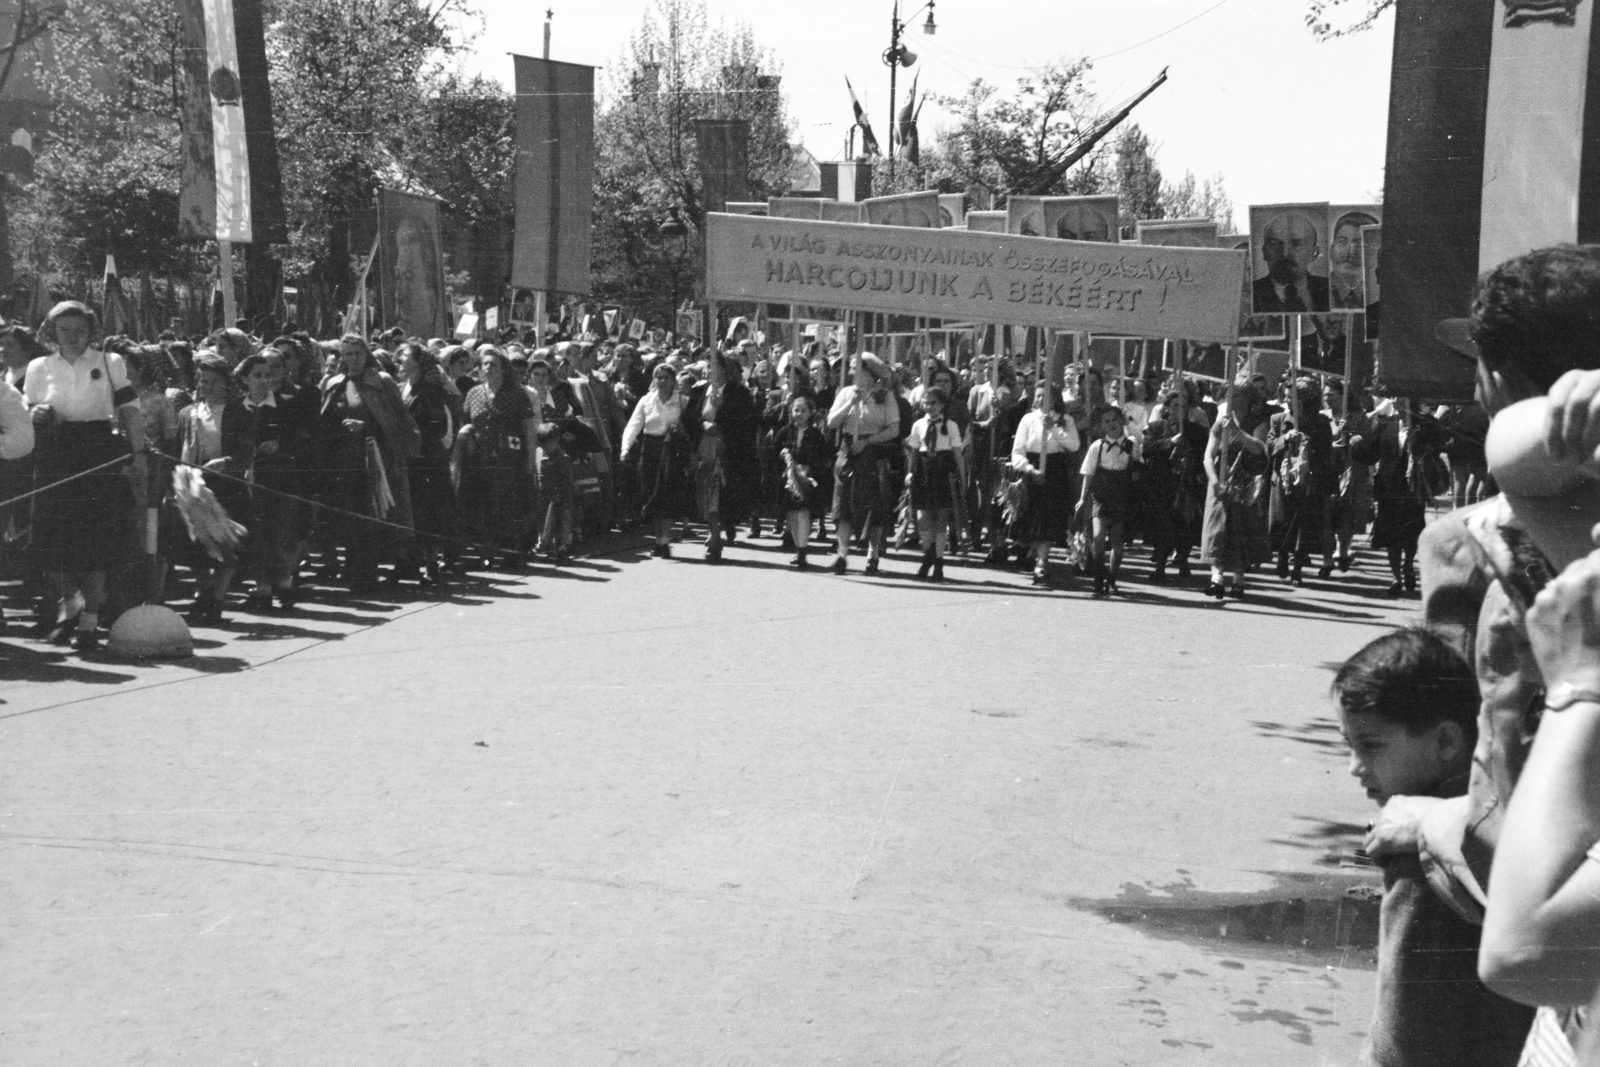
{"type": "Point", "coordinates": [937, 472]}
{"type": "Point", "coordinates": [1042, 452]}
{"type": "Point", "coordinates": [655, 435]}
{"type": "Point", "coordinates": [867, 421]}
{"type": "Point", "coordinates": [75, 396]}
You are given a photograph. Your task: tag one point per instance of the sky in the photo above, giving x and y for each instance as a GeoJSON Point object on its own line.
{"type": "Point", "coordinates": [1250, 93]}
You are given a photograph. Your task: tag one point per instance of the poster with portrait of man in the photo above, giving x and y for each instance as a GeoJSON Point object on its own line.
{"type": "Point", "coordinates": [1177, 233]}
{"type": "Point", "coordinates": [1081, 218]}
{"type": "Point", "coordinates": [1252, 327]}
{"type": "Point", "coordinates": [1025, 215]}
{"type": "Point", "coordinates": [1371, 248]}
{"type": "Point", "coordinates": [952, 210]}
{"type": "Point", "coordinates": [1347, 285]}
{"type": "Point", "coordinates": [411, 265]}
{"type": "Point", "coordinates": [1288, 257]}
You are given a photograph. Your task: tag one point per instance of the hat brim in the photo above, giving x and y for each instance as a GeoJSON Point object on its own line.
{"type": "Point", "coordinates": [1456, 335]}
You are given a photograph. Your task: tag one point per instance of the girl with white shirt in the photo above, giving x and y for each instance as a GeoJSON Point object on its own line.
{"type": "Point", "coordinates": [937, 470]}
{"type": "Point", "coordinates": [655, 435]}
{"type": "Point", "coordinates": [1108, 495]}
{"type": "Point", "coordinates": [1042, 451]}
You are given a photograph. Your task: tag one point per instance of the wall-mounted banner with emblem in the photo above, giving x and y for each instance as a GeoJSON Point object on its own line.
{"type": "Point", "coordinates": [976, 277]}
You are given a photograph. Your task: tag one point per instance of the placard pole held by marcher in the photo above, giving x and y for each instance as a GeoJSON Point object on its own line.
{"type": "Point", "coordinates": [230, 307]}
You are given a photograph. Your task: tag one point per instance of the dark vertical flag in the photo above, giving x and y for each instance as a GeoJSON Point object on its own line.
{"type": "Point", "coordinates": [555, 176]}
{"type": "Point", "coordinates": [906, 126]}
{"type": "Point", "coordinates": [869, 143]}
{"type": "Point", "coordinates": [722, 148]}
{"type": "Point", "coordinates": [1494, 150]}
{"type": "Point", "coordinates": [116, 317]}
{"type": "Point", "coordinates": [231, 187]}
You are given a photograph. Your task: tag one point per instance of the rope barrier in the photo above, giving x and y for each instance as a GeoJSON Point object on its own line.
{"type": "Point", "coordinates": [58, 483]}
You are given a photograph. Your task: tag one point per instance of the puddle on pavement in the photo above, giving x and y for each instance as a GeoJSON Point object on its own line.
{"type": "Point", "coordinates": [1321, 923]}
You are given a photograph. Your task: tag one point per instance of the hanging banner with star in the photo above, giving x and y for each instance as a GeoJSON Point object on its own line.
{"type": "Point", "coordinates": [231, 188]}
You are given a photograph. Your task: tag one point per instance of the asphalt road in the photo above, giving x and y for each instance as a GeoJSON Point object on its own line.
{"type": "Point", "coordinates": [656, 812]}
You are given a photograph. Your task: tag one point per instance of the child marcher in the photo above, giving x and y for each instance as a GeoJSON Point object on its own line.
{"type": "Point", "coordinates": [937, 470]}
{"type": "Point", "coordinates": [1408, 705]}
{"type": "Point", "coordinates": [1107, 497]}
{"type": "Point", "coordinates": [808, 470]}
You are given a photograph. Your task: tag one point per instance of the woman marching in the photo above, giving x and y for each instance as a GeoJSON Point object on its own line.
{"type": "Point", "coordinates": [938, 470]}
{"type": "Point", "coordinates": [1042, 451]}
{"type": "Point", "coordinates": [721, 419]}
{"type": "Point", "coordinates": [372, 441]}
{"type": "Point", "coordinates": [280, 433]}
{"type": "Point", "coordinates": [1236, 461]}
{"type": "Point", "coordinates": [1107, 500]}
{"type": "Point", "coordinates": [808, 473]}
{"type": "Point", "coordinates": [75, 395]}
{"type": "Point", "coordinates": [655, 435]}
{"type": "Point", "coordinates": [493, 462]}
{"type": "Point", "coordinates": [867, 421]}
{"type": "Point", "coordinates": [423, 388]}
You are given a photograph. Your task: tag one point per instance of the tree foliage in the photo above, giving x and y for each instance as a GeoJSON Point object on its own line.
{"type": "Point", "coordinates": [676, 68]}
{"type": "Point", "coordinates": [1009, 143]}
{"type": "Point", "coordinates": [1338, 18]}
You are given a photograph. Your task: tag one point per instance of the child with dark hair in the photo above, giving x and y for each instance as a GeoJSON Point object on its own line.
{"type": "Point", "coordinates": [1408, 705]}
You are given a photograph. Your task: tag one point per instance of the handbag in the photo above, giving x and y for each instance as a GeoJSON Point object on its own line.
{"type": "Point", "coordinates": [1241, 486]}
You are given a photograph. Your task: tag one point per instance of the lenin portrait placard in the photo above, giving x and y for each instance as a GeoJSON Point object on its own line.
{"type": "Point", "coordinates": [1288, 259]}
{"type": "Point", "coordinates": [411, 265]}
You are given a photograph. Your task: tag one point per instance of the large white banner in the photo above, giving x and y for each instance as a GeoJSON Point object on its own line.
{"type": "Point", "coordinates": [1190, 293]}
{"type": "Point", "coordinates": [227, 124]}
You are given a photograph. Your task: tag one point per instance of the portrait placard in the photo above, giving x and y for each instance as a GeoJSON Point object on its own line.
{"type": "Point", "coordinates": [1025, 216]}
{"type": "Point", "coordinates": [904, 209]}
{"type": "Point", "coordinates": [1252, 327]}
{"type": "Point", "coordinates": [1371, 248]}
{"type": "Point", "coordinates": [987, 221]}
{"type": "Point", "coordinates": [839, 210]}
{"type": "Point", "coordinates": [1347, 284]}
{"type": "Point", "coordinates": [1081, 218]}
{"type": "Point", "coordinates": [1289, 264]}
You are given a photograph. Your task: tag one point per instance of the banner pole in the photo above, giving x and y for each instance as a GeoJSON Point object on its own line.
{"type": "Point", "coordinates": [540, 311]}
{"type": "Point", "coordinates": [230, 305]}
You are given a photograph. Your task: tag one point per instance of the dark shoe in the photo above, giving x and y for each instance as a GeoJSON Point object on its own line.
{"type": "Point", "coordinates": [1215, 589]}
{"type": "Point", "coordinates": [714, 553]}
{"type": "Point", "coordinates": [1344, 563]}
{"type": "Point", "coordinates": [1296, 577]}
{"type": "Point", "coordinates": [287, 598]}
{"type": "Point", "coordinates": [1326, 570]}
{"type": "Point", "coordinates": [1411, 580]}
{"type": "Point", "coordinates": [1397, 587]}
{"type": "Point", "coordinates": [799, 562]}
{"type": "Point", "coordinates": [1184, 573]}
{"type": "Point", "coordinates": [1099, 588]}
{"type": "Point", "coordinates": [1111, 586]}
{"type": "Point", "coordinates": [1283, 566]}
{"type": "Point", "coordinates": [938, 570]}
{"type": "Point", "coordinates": [85, 640]}
{"type": "Point", "coordinates": [200, 612]}
{"type": "Point", "coordinates": [755, 529]}
{"type": "Point", "coordinates": [259, 601]}
{"type": "Point", "coordinates": [871, 567]}
{"type": "Point", "coordinates": [927, 565]}
{"type": "Point", "coordinates": [787, 542]}
{"type": "Point", "coordinates": [1237, 592]}
{"type": "Point", "coordinates": [839, 565]}
{"type": "Point", "coordinates": [666, 551]}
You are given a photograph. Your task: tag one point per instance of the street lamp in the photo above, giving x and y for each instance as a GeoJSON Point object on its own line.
{"type": "Point", "coordinates": [897, 56]}
{"type": "Point", "coordinates": [674, 228]}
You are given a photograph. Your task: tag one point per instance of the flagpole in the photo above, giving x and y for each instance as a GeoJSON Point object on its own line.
{"type": "Point", "coordinates": [230, 307]}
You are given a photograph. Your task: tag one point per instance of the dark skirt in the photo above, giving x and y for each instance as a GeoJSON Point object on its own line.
{"type": "Point", "coordinates": [934, 477]}
{"type": "Point", "coordinates": [78, 527]}
{"type": "Point", "coordinates": [498, 495]}
{"type": "Point", "coordinates": [864, 494]}
{"type": "Point", "coordinates": [1048, 512]}
{"type": "Point", "coordinates": [1234, 536]}
{"type": "Point", "coordinates": [663, 477]}
{"type": "Point", "coordinates": [433, 499]}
